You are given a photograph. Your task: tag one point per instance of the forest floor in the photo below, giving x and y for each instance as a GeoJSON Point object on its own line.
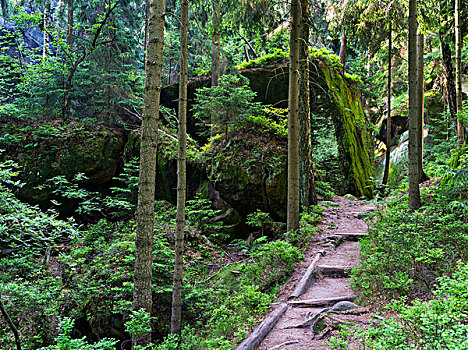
{"type": "Point", "coordinates": [306, 321]}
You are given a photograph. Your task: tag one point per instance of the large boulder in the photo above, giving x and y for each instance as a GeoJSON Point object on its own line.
{"type": "Point", "coordinates": [248, 168]}
{"type": "Point", "coordinates": [49, 149]}
{"type": "Point", "coordinates": [342, 141]}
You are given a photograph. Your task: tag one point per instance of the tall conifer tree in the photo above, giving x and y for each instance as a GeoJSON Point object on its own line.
{"type": "Point", "coordinates": [414, 195]}
{"type": "Point", "coordinates": [293, 120]}
{"type": "Point", "coordinates": [142, 291]}
{"type": "Point", "coordinates": [176, 318]}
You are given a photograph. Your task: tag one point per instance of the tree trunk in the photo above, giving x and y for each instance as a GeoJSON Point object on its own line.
{"type": "Point", "coordinates": [306, 172]}
{"type": "Point", "coordinates": [45, 46]}
{"type": "Point", "coordinates": [421, 174]}
{"type": "Point", "coordinates": [293, 122]}
{"type": "Point", "coordinates": [215, 61]}
{"type": "Point", "coordinates": [343, 48]}
{"type": "Point", "coordinates": [414, 195]}
{"type": "Point", "coordinates": [70, 24]}
{"type": "Point", "coordinates": [459, 94]}
{"type": "Point", "coordinates": [449, 76]}
{"type": "Point", "coordinates": [216, 42]}
{"type": "Point", "coordinates": [142, 292]}
{"type": "Point", "coordinates": [4, 4]}
{"type": "Point", "coordinates": [389, 108]}
{"type": "Point", "coordinates": [176, 317]}
{"type": "Point", "coordinates": [10, 324]}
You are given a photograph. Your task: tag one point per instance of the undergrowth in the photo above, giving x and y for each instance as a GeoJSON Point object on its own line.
{"type": "Point", "coordinates": [55, 275]}
{"type": "Point", "coordinates": [414, 266]}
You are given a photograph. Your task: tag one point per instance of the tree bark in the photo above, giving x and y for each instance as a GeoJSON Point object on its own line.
{"type": "Point", "coordinates": [46, 19]}
{"type": "Point", "coordinates": [343, 48]}
{"type": "Point", "coordinates": [146, 29]}
{"type": "Point", "coordinates": [306, 171]}
{"type": "Point", "coordinates": [293, 122]}
{"type": "Point", "coordinates": [421, 174]}
{"type": "Point", "coordinates": [389, 108]}
{"type": "Point", "coordinates": [215, 60]}
{"type": "Point", "coordinates": [216, 42]}
{"type": "Point", "coordinates": [176, 317]}
{"type": "Point", "coordinates": [414, 195]}
{"type": "Point", "coordinates": [10, 324]}
{"type": "Point", "coordinates": [142, 292]}
{"type": "Point", "coordinates": [450, 80]}
{"type": "Point", "coordinates": [71, 24]}
{"type": "Point", "coordinates": [458, 70]}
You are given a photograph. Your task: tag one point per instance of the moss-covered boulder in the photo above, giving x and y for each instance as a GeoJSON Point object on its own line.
{"type": "Point", "coordinates": [166, 170]}
{"type": "Point", "coordinates": [342, 142]}
{"type": "Point", "coordinates": [248, 168]}
{"type": "Point", "coordinates": [46, 150]}
{"type": "Point", "coordinates": [353, 132]}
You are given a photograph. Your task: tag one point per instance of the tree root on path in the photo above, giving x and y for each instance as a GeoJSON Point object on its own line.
{"type": "Point", "coordinates": [276, 347]}
{"type": "Point", "coordinates": [325, 319]}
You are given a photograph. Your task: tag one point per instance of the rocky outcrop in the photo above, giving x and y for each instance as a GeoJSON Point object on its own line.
{"type": "Point", "coordinates": [342, 143]}
{"type": "Point", "coordinates": [248, 168]}
{"type": "Point", "coordinates": [44, 151]}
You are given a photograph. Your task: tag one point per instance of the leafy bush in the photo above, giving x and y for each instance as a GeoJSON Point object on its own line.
{"type": "Point", "coordinates": [228, 103]}
{"type": "Point", "coordinates": [23, 226]}
{"type": "Point", "coordinates": [405, 252]}
{"type": "Point", "coordinates": [440, 323]}
{"type": "Point", "coordinates": [455, 180]}
{"type": "Point", "coordinates": [200, 216]}
{"type": "Point", "coordinates": [272, 262]}
{"type": "Point", "coordinates": [65, 342]}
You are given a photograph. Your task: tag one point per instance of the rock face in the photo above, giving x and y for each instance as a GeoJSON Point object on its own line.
{"type": "Point", "coordinates": [342, 143]}
{"type": "Point", "coordinates": [48, 150]}
{"type": "Point", "coordinates": [44, 151]}
{"type": "Point", "coordinates": [248, 168]}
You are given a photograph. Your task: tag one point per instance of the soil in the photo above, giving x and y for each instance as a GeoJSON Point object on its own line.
{"type": "Point", "coordinates": [342, 225]}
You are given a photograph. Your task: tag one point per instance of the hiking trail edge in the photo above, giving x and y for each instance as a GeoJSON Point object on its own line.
{"type": "Point", "coordinates": [320, 287]}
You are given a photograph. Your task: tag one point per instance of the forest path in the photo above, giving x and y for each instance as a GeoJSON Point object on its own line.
{"type": "Point", "coordinates": [330, 256]}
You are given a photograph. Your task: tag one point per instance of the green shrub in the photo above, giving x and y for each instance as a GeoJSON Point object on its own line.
{"type": "Point", "coordinates": [65, 342]}
{"type": "Point", "coordinates": [23, 226]}
{"type": "Point", "coordinates": [438, 324]}
{"type": "Point", "coordinates": [405, 252]}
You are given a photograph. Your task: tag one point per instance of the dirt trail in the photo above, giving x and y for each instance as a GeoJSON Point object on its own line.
{"type": "Point", "coordinates": [342, 225]}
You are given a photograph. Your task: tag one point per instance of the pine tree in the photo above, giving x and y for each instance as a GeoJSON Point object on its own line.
{"type": "Point", "coordinates": [293, 120]}
{"type": "Point", "coordinates": [306, 172]}
{"type": "Point", "coordinates": [142, 292]}
{"type": "Point", "coordinates": [458, 74]}
{"type": "Point", "coordinates": [414, 195]}
{"type": "Point", "coordinates": [176, 318]}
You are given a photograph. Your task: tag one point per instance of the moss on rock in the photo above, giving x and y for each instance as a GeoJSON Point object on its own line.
{"type": "Point", "coordinates": [354, 132]}
{"type": "Point", "coordinates": [49, 150]}
{"type": "Point", "coordinates": [248, 168]}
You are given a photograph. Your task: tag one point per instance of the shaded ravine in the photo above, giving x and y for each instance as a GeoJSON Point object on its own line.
{"type": "Point", "coordinates": [331, 255]}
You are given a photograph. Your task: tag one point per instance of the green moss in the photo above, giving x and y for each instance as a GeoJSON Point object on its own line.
{"type": "Point", "coordinates": [356, 141]}
{"type": "Point", "coordinates": [248, 168]}
{"type": "Point", "coordinates": [55, 149]}
{"type": "Point", "coordinates": [278, 56]}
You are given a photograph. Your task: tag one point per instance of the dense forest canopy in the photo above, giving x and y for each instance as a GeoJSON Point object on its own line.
{"type": "Point", "coordinates": [167, 165]}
